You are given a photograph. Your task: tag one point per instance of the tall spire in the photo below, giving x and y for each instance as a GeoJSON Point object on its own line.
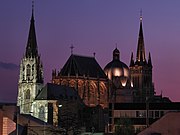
{"type": "Point", "coordinates": [140, 56]}
{"type": "Point", "coordinates": [31, 48]}
{"type": "Point", "coordinates": [132, 60]}
{"type": "Point", "coordinates": [149, 60]}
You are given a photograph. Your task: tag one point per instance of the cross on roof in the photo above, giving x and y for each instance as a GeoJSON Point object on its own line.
{"type": "Point", "coordinates": [32, 5]}
{"type": "Point", "coordinates": [71, 47]}
{"type": "Point", "coordinates": [141, 14]}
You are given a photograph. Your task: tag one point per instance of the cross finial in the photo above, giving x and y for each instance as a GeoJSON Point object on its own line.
{"type": "Point", "coordinates": [32, 5]}
{"type": "Point", "coordinates": [116, 45]}
{"type": "Point", "coordinates": [71, 47]}
{"type": "Point", "coordinates": [94, 54]}
{"type": "Point", "coordinates": [141, 14]}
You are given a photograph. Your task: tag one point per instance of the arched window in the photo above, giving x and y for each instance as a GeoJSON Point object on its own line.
{"type": "Point", "coordinates": [93, 93]}
{"type": "Point", "coordinates": [32, 69]}
{"type": "Point", "coordinates": [41, 113]}
{"type": "Point", "coordinates": [28, 70]}
{"type": "Point", "coordinates": [27, 95]}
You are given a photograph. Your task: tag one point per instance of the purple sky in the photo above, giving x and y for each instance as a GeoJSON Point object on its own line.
{"type": "Point", "coordinates": [91, 26]}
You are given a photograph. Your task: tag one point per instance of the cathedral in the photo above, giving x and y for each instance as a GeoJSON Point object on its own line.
{"type": "Point", "coordinates": [83, 80]}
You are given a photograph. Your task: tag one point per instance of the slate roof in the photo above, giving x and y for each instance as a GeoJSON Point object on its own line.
{"type": "Point", "coordinates": [55, 92]}
{"type": "Point", "coordinates": [82, 65]}
{"type": "Point", "coordinates": [31, 48]}
{"type": "Point", "coordinates": [168, 124]}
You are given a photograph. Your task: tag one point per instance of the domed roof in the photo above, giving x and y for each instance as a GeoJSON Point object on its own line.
{"type": "Point", "coordinates": [116, 67]}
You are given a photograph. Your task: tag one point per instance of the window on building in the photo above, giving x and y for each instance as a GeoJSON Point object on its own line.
{"type": "Point", "coordinates": [137, 114]}
{"type": "Point", "coordinates": [151, 114]}
{"type": "Point", "coordinates": [110, 113]}
{"type": "Point", "coordinates": [27, 95]}
{"type": "Point", "coordinates": [157, 114]}
{"type": "Point", "coordinates": [110, 120]}
{"type": "Point", "coordinates": [32, 70]}
{"type": "Point", "coordinates": [28, 71]}
{"type": "Point", "coordinates": [41, 113]}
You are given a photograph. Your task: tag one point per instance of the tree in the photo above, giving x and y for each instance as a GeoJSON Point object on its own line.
{"type": "Point", "coordinates": [69, 121]}
{"type": "Point", "coordinates": [124, 127]}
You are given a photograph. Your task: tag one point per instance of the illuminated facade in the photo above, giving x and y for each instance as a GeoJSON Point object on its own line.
{"type": "Point", "coordinates": [141, 71]}
{"type": "Point", "coordinates": [120, 89]}
{"type": "Point", "coordinates": [31, 73]}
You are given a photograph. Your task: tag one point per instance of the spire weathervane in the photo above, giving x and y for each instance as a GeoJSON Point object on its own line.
{"type": "Point", "coordinates": [71, 47]}
{"type": "Point", "coordinates": [141, 15]}
{"type": "Point", "coordinates": [32, 5]}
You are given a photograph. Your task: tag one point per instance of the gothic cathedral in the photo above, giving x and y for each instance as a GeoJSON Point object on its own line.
{"type": "Point", "coordinates": [95, 86]}
{"type": "Point", "coordinates": [31, 73]}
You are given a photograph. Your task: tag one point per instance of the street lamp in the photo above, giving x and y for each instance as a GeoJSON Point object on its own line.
{"type": "Point", "coordinates": [59, 114]}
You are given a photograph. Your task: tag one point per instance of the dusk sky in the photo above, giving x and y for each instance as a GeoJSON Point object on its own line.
{"type": "Point", "coordinates": [91, 26]}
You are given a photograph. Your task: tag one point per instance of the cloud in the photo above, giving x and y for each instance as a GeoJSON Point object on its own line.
{"type": "Point", "coordinates": [8, 66]}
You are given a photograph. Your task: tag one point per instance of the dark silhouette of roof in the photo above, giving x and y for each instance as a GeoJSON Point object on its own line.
{"type": "Point", "coordinates": [55, 92]}
{"type": "Point", "coordinates": [31, 48]}
{"type": "Point", "coordinates": [82, 66]}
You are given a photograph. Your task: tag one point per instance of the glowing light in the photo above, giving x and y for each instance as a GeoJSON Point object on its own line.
{"type": "Point", "coordinates": [141, 18]}
{"type": "Point", "coordinates": [117, 72]}
{"type": "Point", "coordinates": [131, 84]}
{"type": "Point", "coordinates": [123, 84]}
{"type": "Point", "coordinates": [123, 81]}
{"type": "Point", "coordinates": [126, 72]}
{"type": "Point", "coordinates": [109, 74]}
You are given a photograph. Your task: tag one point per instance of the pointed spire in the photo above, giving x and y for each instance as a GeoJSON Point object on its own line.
{"type": "Point", "coordinates": [32, 7]}
{"type": "Point", "coordinates": [140, 57]}
{"type": "Point", "coordinates": [149, 60]}
{"type": "Point", "coordinates": [31, 48]}
{"type": "Point", "coordinates": [132, 60]}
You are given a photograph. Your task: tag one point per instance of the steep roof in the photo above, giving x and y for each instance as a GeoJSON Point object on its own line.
{"type": "Point", "coordinates": [168, 124]}
{"type": "Point", "coordinates": [55, 92]}
{"type": "Point", "coordinates": [82, 65]}
{"type": "Point", "coordinates": [140, 56]}
{"type": "Point", "coordinates": [31, 48]}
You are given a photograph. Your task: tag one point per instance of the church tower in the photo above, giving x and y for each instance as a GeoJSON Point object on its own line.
{"type": "Point", "coordinates": [31, 72]}
{"type": "Point", "coordinates": [141, 71]}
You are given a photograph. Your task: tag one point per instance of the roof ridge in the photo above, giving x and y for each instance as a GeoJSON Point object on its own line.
{"type": "Point", "coordinates": [83, 56]}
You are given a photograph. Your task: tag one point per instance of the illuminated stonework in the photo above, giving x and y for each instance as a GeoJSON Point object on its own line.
{"type": "Point", "coordinates": [86, 76]}
{"type": "Point", "coordinates": [31, 73]}
{"type": "Point", "coordinates": [93, 92]}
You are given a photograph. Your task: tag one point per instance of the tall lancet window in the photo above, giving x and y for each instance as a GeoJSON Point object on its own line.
{"type": "Point", "coordinates": [41, 113]}
{"type": "Point", "coordinates": [28, 71]}
{"type": "Point", "coordinates": [32, 70]}
{"type": "Point", "coordinates": [27, 95]}
{"type": "Point", "coordinates": [27, 101]}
